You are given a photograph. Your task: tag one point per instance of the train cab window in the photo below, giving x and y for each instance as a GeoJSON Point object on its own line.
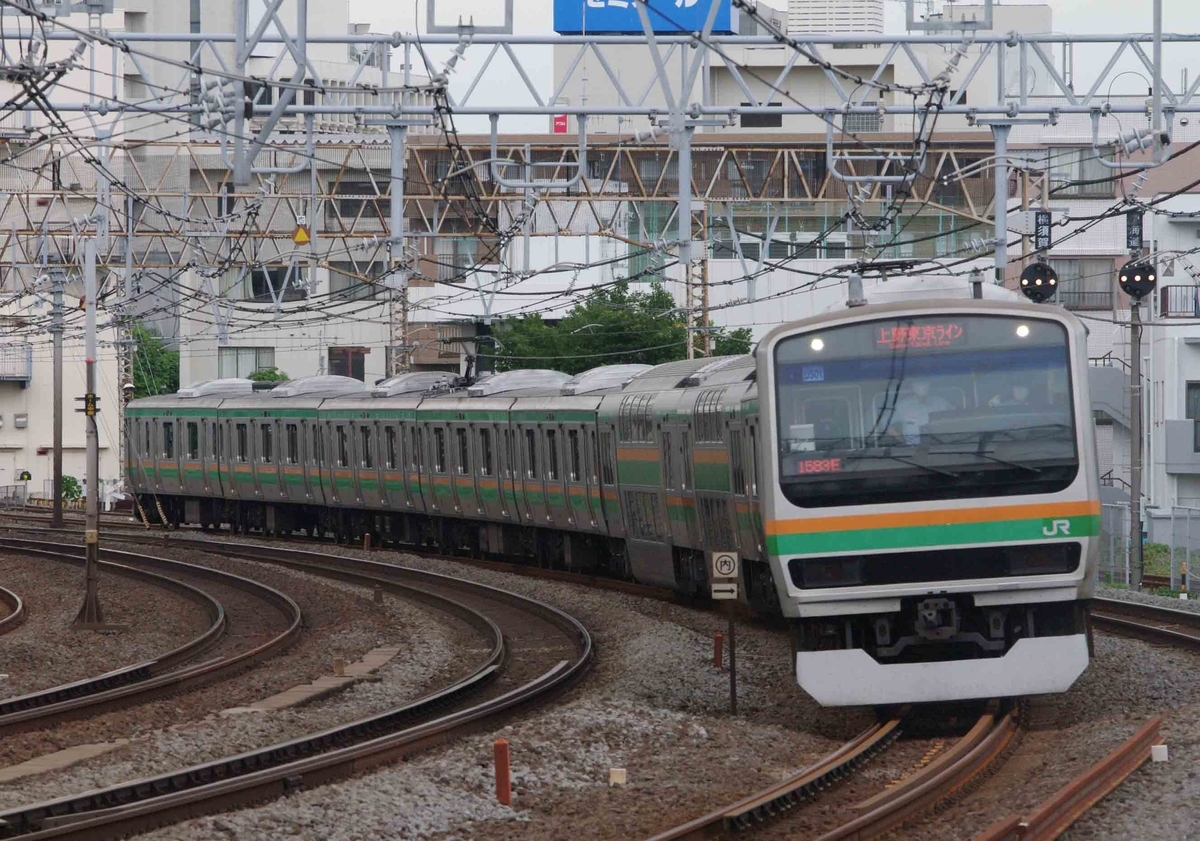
{"type": "Point", "coordinates": [389, 437]}
{"type": "Point", "coordinates": [293, 443]}
{"type": "Point", "coordinates": [576, 471]}
{"type": "Point", "coordinates": [685, 439]}
{"type": "Point", "coordinates": [168, 428]}
{"type": "Point", "coordinates": [531, 454]}
{"type": "Point", "coordinates": [266, 434]}
{"type": "Point", "coordinates": [485, 453]}
{"type": "Point", "coordinates": [552, 454]}
{"type": "Point", "coordinates": [439, 450]}
{"type": "Point", "coordinates": [193, 440]}
{"type": "Point", "coordinates": [243, 441]}
{"type": "Point", "coordinates": [464, 451]}
{"type": "Point", "coordinates": [364, 440]}
{"type": "Point", "coordinates": [607, 469]}
{"type": "Point", "coordinates": [343, 446]}
{"type": "Point", "coordinates": [737, 462]}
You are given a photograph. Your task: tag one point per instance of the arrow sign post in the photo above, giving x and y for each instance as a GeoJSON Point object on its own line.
{"type": "Point", "coordinates": [724, 575]}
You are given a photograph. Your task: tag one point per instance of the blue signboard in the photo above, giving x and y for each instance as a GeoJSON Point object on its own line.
{"type": "Point", "coordinates": [668, 17]}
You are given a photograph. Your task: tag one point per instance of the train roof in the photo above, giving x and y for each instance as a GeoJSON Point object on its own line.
{"type": "Point", "coordinates": [694, 373]}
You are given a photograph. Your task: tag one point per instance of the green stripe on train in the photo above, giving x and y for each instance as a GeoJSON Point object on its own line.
{"type": "Point", "coordinates": [906, 537]}
{"type": "Point", "coordinates": [712, 477]}
{"type": "Point", "coordinates": [638, 472]}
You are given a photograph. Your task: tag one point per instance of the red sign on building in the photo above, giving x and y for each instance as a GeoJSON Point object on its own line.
{"type": "Point", "coordinates": [560, 123]}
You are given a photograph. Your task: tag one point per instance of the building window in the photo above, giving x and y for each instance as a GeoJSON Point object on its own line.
{"type": "Point", "coordinates": [193, 440]}
{"type": "Point", "coordinates": [168, 439]}
{"type": "Point", "coordinates": [455, 257]}
{"type": "Point", "coordinates": [1085, 284]}
{"type": "Point", "coordinates": [355, 197]}
{"type": "Point", "coordinates": [293, 444]}
{"type": "Point", "coordinates": [343, 447]}
{"type": "Point", "coordinates": [762, 120]}
{"type": "Point", "coordinates": [266, 283]}
{"type": "Point", "coordinates": [348, 362]}
{"type": "Point", "coordinates": [266, 433]}
{"type": "Point", "coordinates": [242, 442]}
{"type": "Point", "coordinates": [1071, 169]}
{"type": "Point", "coordinates": [355, 282]}
{"type": "Point", "coordinates": [364, 440]}
{"type": "Point", "coordinates": [485, 451]}
{"type": "Point", "coordinates": [860, 123]}
{"type": "Point", "coordinates": [243, 361]}
{"type": "Point", "coordinates": [389, 434]}
{"type": "Point", "coordinates": [1193, 413]}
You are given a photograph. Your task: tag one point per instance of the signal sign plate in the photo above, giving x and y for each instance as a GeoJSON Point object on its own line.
{"type": "Point", "coordinates": [725, 590]}
{"type": "Point", "coordinates": [301, 236]}
{"type": "Point", "coordinates": [723, 564]}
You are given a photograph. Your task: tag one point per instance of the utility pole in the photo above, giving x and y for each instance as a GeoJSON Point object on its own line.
{"type": "Point", "coordinates": [90, 616]}
{"type": "Point", "coordinates": [56, 329]}
{"type": "Point", "coordinates": [1135, 444]}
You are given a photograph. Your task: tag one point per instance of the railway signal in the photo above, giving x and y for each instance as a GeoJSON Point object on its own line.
{"type": "Point", "coordinates": [1137, 279]}
{"type": "Point", "coordinates": [1039, 281]}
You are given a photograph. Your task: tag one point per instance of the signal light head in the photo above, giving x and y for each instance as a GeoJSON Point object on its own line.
{"type": "Point", "coordinates": [1137, 279]}
{"type": "Point", "coordinates": [1039, 282]}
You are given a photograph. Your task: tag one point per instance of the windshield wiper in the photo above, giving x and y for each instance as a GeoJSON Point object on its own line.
{"type": "Point", "coordinates": [902, 460]}
{"type": "Point", "coordinates": [1026, 467]}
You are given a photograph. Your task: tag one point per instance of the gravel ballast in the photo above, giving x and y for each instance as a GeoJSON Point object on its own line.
{"type": "Point", "coordinates": [45, 652]}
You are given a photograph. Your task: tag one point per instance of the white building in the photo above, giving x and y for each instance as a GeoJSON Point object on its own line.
{"type": "Point", "coordinates": [839, 17]}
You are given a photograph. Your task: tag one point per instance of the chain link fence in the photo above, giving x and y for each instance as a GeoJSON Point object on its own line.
{"type": "Point", "coordinates": [13, 496]}
{"type": "Point", "coordinates": [1183, 546]}
{"type": "Point", "coordinates": [1172, 548]}
{"type": "Point", "coordinates": [1113, 567]}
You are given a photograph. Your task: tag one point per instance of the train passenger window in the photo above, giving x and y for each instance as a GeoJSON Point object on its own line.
{"type": "Point", "coordinates": [418, 446]}
{"type": "Point", "coordinates": [485, 452]}
{"type": "Point", "coordinates": [464, 451]}
{"type": "Point", "coordinates": [439, 450]}
{"type": "Point", "coordinates": [168, 439]}
{"type": "Point", "coordinates": [668, 461]}
{"type": "Point", "coordinates": [752, 467]}
{"type": "Point", "coordinates": [148, 442]}
{"type": "Point", "coordinates": [576, 473]}
{"type": "Point", "coordinates": [510, 454]}
{"type": "Point", "coordinates": [737, 462]}
{"type": "Point", "coordinates": [242, 442]}
{"type": "Point", "coordinates": [193, 440]}
{"type": "Point", "coordinates": [293, 444]}
{"type": "Point", "coordinates": [221, 442]}
{"type": "Point", "coordinates": [595, 456]}
{"type": "Point", "coordinates": [607, 470]}
{"type": "Point", "coordinates": [552, 452]}
{"type": "Point", "coordinates": [364, 439]}
{"type": "Point", "coordinates": [685, 439]}
{"type": "Point", "coordinates": [343, 448]}
{"type": "Point", "coordinates": [316, 443]}
{"type": "Point", "coordinates": [530, 454]}
{"type": "Point", "coordinates": [389, 434]}
{"type": "Point", "coordinates": [213, 442]}
{"type": "Point", "coordinates": [266, 434]}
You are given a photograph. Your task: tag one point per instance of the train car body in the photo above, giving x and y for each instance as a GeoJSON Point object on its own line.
{"type": "Point", "coordinates": [926, 542]}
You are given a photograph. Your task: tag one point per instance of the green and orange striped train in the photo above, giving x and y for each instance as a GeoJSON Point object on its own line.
{"type": "Point", "coordinates": [912, 485]}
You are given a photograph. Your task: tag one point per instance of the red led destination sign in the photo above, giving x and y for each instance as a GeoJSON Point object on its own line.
{"type": "Point", "coordinates": [819, 465]}
{"type": "Point", "coordinates": [919, 336]}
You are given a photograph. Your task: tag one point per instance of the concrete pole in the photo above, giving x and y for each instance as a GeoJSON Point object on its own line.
{"type": "Point", "coordinates": [684, 227]}
{"type": "Point", "coordinates": [398, 304]}
{"type": "Point", "coordinates": [56, 329]}
{"type": "Point", "coordinates": [90, 615]}
{"type": "Point", "coordinates": [1135, 445]}
{"type": "Point", "coordinates": [1000, 134]}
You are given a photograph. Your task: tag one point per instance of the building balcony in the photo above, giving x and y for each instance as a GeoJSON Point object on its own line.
{"type": "Point", "coordinates": [1183, 447]}
{"type": "Point", "coordinates": [1179, 302]}
{"type": "Point", "coordinates": [16, 363]}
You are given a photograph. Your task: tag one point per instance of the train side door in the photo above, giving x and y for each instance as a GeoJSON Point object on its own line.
{"type": "Point", "coordinates": [461, 466]}
{"type": "Point", "coordinates": [575, 468]}
{"type": "Point", "coordinates": [591, 455]}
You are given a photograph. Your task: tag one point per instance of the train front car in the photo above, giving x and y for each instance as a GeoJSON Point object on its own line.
{"type": "Point", "coordinates": [933, 503]}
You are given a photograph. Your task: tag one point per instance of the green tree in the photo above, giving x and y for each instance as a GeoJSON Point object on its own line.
{"type": "Point", "coordinates": [71, 488]}
{"type": "Point", "coordinates": [612, 326]}
{"type": "Point", "coordinates": [268, 375]}
{"type": "Point", "coordinates": [155, 369]}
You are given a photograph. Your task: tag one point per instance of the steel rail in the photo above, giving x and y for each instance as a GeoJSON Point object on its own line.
{"type": "Point", "coordinates": [320, 757]}
{"type": "Point", "coordinates": [1068, 804]}
{"type": "Point", "coordinates": [16, 610]}
{"type": "Point", "coordinates": [153, 678]}
{"type": "Point", "coordinates": [1149, 622]}
{"type": "Point", "coordinates": [800, 788]}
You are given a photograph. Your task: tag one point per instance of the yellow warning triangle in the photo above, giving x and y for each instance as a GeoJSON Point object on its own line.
{"type": "Point", "coordinates": [300, 236]}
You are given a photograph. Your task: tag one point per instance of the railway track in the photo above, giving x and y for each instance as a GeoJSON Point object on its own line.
{"type": "Point", "coordinates": [172, 672]}
{"type": "Point", "coordinates": [16, 610]}
{"type": "Point", "coordinates": [945, 775]}
{"type": "Point", "coordinates": [1149, 622]}
{"type": "Point", "coordinates": [536, 652]}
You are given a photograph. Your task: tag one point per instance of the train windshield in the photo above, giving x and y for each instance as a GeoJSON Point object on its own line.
{"type": "Point", "coordinates": [928, 407]}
